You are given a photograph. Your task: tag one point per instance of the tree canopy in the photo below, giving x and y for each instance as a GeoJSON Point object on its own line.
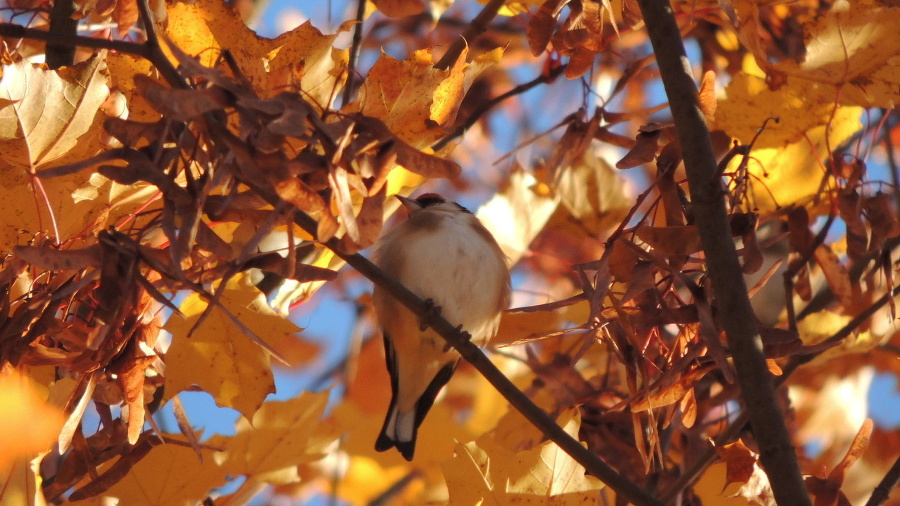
{"type": "Point", "coordinates": [699, 202]}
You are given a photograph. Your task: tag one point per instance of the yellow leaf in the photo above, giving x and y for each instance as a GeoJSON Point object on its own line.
{"type": "Point", "coordinates": [785, 164]}
{"type": "Point", "coordinates": [122, 69]}
{"type": "Point", "coordinates": [219, 357]}
{"type": "Point", "coordinates": [485, 471]}
{"type": "Point", "coordinates": [51, 115]}
{"type": "Point", "coordinates": [281, 434]}
{"type": "Point", "coordinates": [302, 57]}
{"type": "Point", "coordinates": [517, 214]}
{"type": "Point", "coordinates": [20, 484]}
{"type": "Point", "coordinates": [853, 48]}
{"type": "Point", "coordinates": [169, 474]}
{"type": "Point", "coordinates": [415, 100]}
{"type": "Point", "coordinates": [29, 424]}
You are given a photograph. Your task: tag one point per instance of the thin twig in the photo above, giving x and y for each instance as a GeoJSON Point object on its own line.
{"type": "Point", "coordinates": [355, 47]}
{"type": "Point", "coordinates": [483, 109]}
{"type": "Point", "coordinates": [478, 26]}
{"type": "Point", "coordinates": [757, 387]}
{"type": "Point", "coordinates": [157, 57]}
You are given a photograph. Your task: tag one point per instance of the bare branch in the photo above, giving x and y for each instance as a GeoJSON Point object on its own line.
{"type": "Point", "coordinates": [478, 26]}
{"type": "Point", "coordinates": [487, 106]}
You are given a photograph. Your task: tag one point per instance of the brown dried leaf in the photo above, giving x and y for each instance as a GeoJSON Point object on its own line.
{"type": "Point", "coordinates": [542, 25]}
{"type": "Point", "coordinates": [836, 274]}
{"type": "Point", "coordinates": [751, 252]}
{"type": "Point", "coordinates": [52, 259]}
{"type": "Point", "coordinates": [181, 105]}
{"type": "Point", "coordinates": [338, 180]}
{"type": "Point", "coordinates": [125, 14]}
{"type": "Point", "coordinates": [328, 226]}
{"type": "Point", "coordinates": [580, 62]}
{"type": "Point", "coordinates": [277, 264]}
{"type": "Point", "coordinates": [671, 241]}
{"type": "Point", "coordinates": [130, 133]}
{"type": "Point", "coordinates": [707, 99]}
{"type": "Point", "coordinates": [119, 470]}
{"type": "Point", "coordinates": [661, 397]}
{"type": "Point", "coordinates": [371, 218]}
{"type": "Point", "coordinates": [412, 159]}
{"type": "Point", "coordinates": [299, 195]}
{"type": "Point", "coordinates": [644, 150]}
{"type": "Point", "coordinates": [184, 426]}
{"type": "Point", "coordinates": [850, 206]}
{"type": "Point", "coordinates": [740, 462]}
{"type": "Point", "coordinates": [400, 8]}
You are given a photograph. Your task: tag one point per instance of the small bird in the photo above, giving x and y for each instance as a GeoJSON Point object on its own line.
{"type": "Point", "coordinates": [443, 254]}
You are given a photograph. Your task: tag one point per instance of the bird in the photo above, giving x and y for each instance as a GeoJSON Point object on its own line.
{"type": "Point", "coordinates": [443, 254]}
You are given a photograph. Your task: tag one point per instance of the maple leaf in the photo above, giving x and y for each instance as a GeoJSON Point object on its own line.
{"type": "Point", "coordinates": [219, 357]}
{"type": "Point", "coordinates": [484, 472]}
{"type": "Point", "coordinates": [281, 434]}
{"type": "Point", "coordinates": [302, 58]}
{"type": "Point", "coordinates": [51, 115]}
{"type": "Point", "coordinates": [415, 100]}
{"type": "Point", "coordinates": [170, 474]}
{"type": "Point", "coordinates": [29, 424]}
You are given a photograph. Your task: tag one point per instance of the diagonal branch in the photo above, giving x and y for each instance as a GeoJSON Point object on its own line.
{"type": "Point", "coordinates": [478, 26]}
{"type": "Point", "coordinates": [757, 386]}
{"type": "Point", "coordinates": [888, 483]}
{"type": "Point", "coordinates": [477, 358]}
{"type": "Point", "coordinates": [484, 108]}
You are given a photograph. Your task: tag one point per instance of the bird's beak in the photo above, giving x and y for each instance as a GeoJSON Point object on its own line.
{"type": "Point", "coordinates": [410, 204]}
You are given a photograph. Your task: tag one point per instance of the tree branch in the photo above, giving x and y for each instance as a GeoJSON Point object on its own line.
{"type": "Point", "coordinates": [478, 26]}
{"type": "Point", "coordinates": [354, 52]}
{"type": "Point", "coordinates": [883, 490]}
{"type": "Point", "coordinates": [487, 106]}
{"type": "Point", "coordinates": [20, 32]}
{"type": "Point", "coordinates": [757, 387]}
{"type": "Point", "coordinates": [477, 358]}
{"type": "Point", "coordinates": [61, 24]}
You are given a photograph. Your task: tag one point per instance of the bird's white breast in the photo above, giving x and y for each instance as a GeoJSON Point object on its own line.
{"type": "Point", "coordinates": [454, 266]}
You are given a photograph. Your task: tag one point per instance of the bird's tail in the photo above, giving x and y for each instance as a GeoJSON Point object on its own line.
{"type": "Point", "coordinates": [401, 429]}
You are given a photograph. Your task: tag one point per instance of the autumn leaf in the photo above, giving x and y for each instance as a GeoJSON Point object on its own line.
{"type": "Point", "coordinates": [415, 100]}
{"type": "Point", "coordinates": [485, 472]}
{"type": "Point", "coordinates": [302, 58]}
{"type": "Point", "coordinates": [170, 474]}
{"type": "Point", "coordinates": [279, 435]}
{"type": "Point", "coordinates": [49, 116]}
{"type": "Point", "coordinates": [219, 357]}
{"type": "Point", "coordinates": [29, 425]}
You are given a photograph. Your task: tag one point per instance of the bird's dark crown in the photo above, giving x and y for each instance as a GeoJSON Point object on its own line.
{"type": "Point", "coordinates": [432, 199]}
